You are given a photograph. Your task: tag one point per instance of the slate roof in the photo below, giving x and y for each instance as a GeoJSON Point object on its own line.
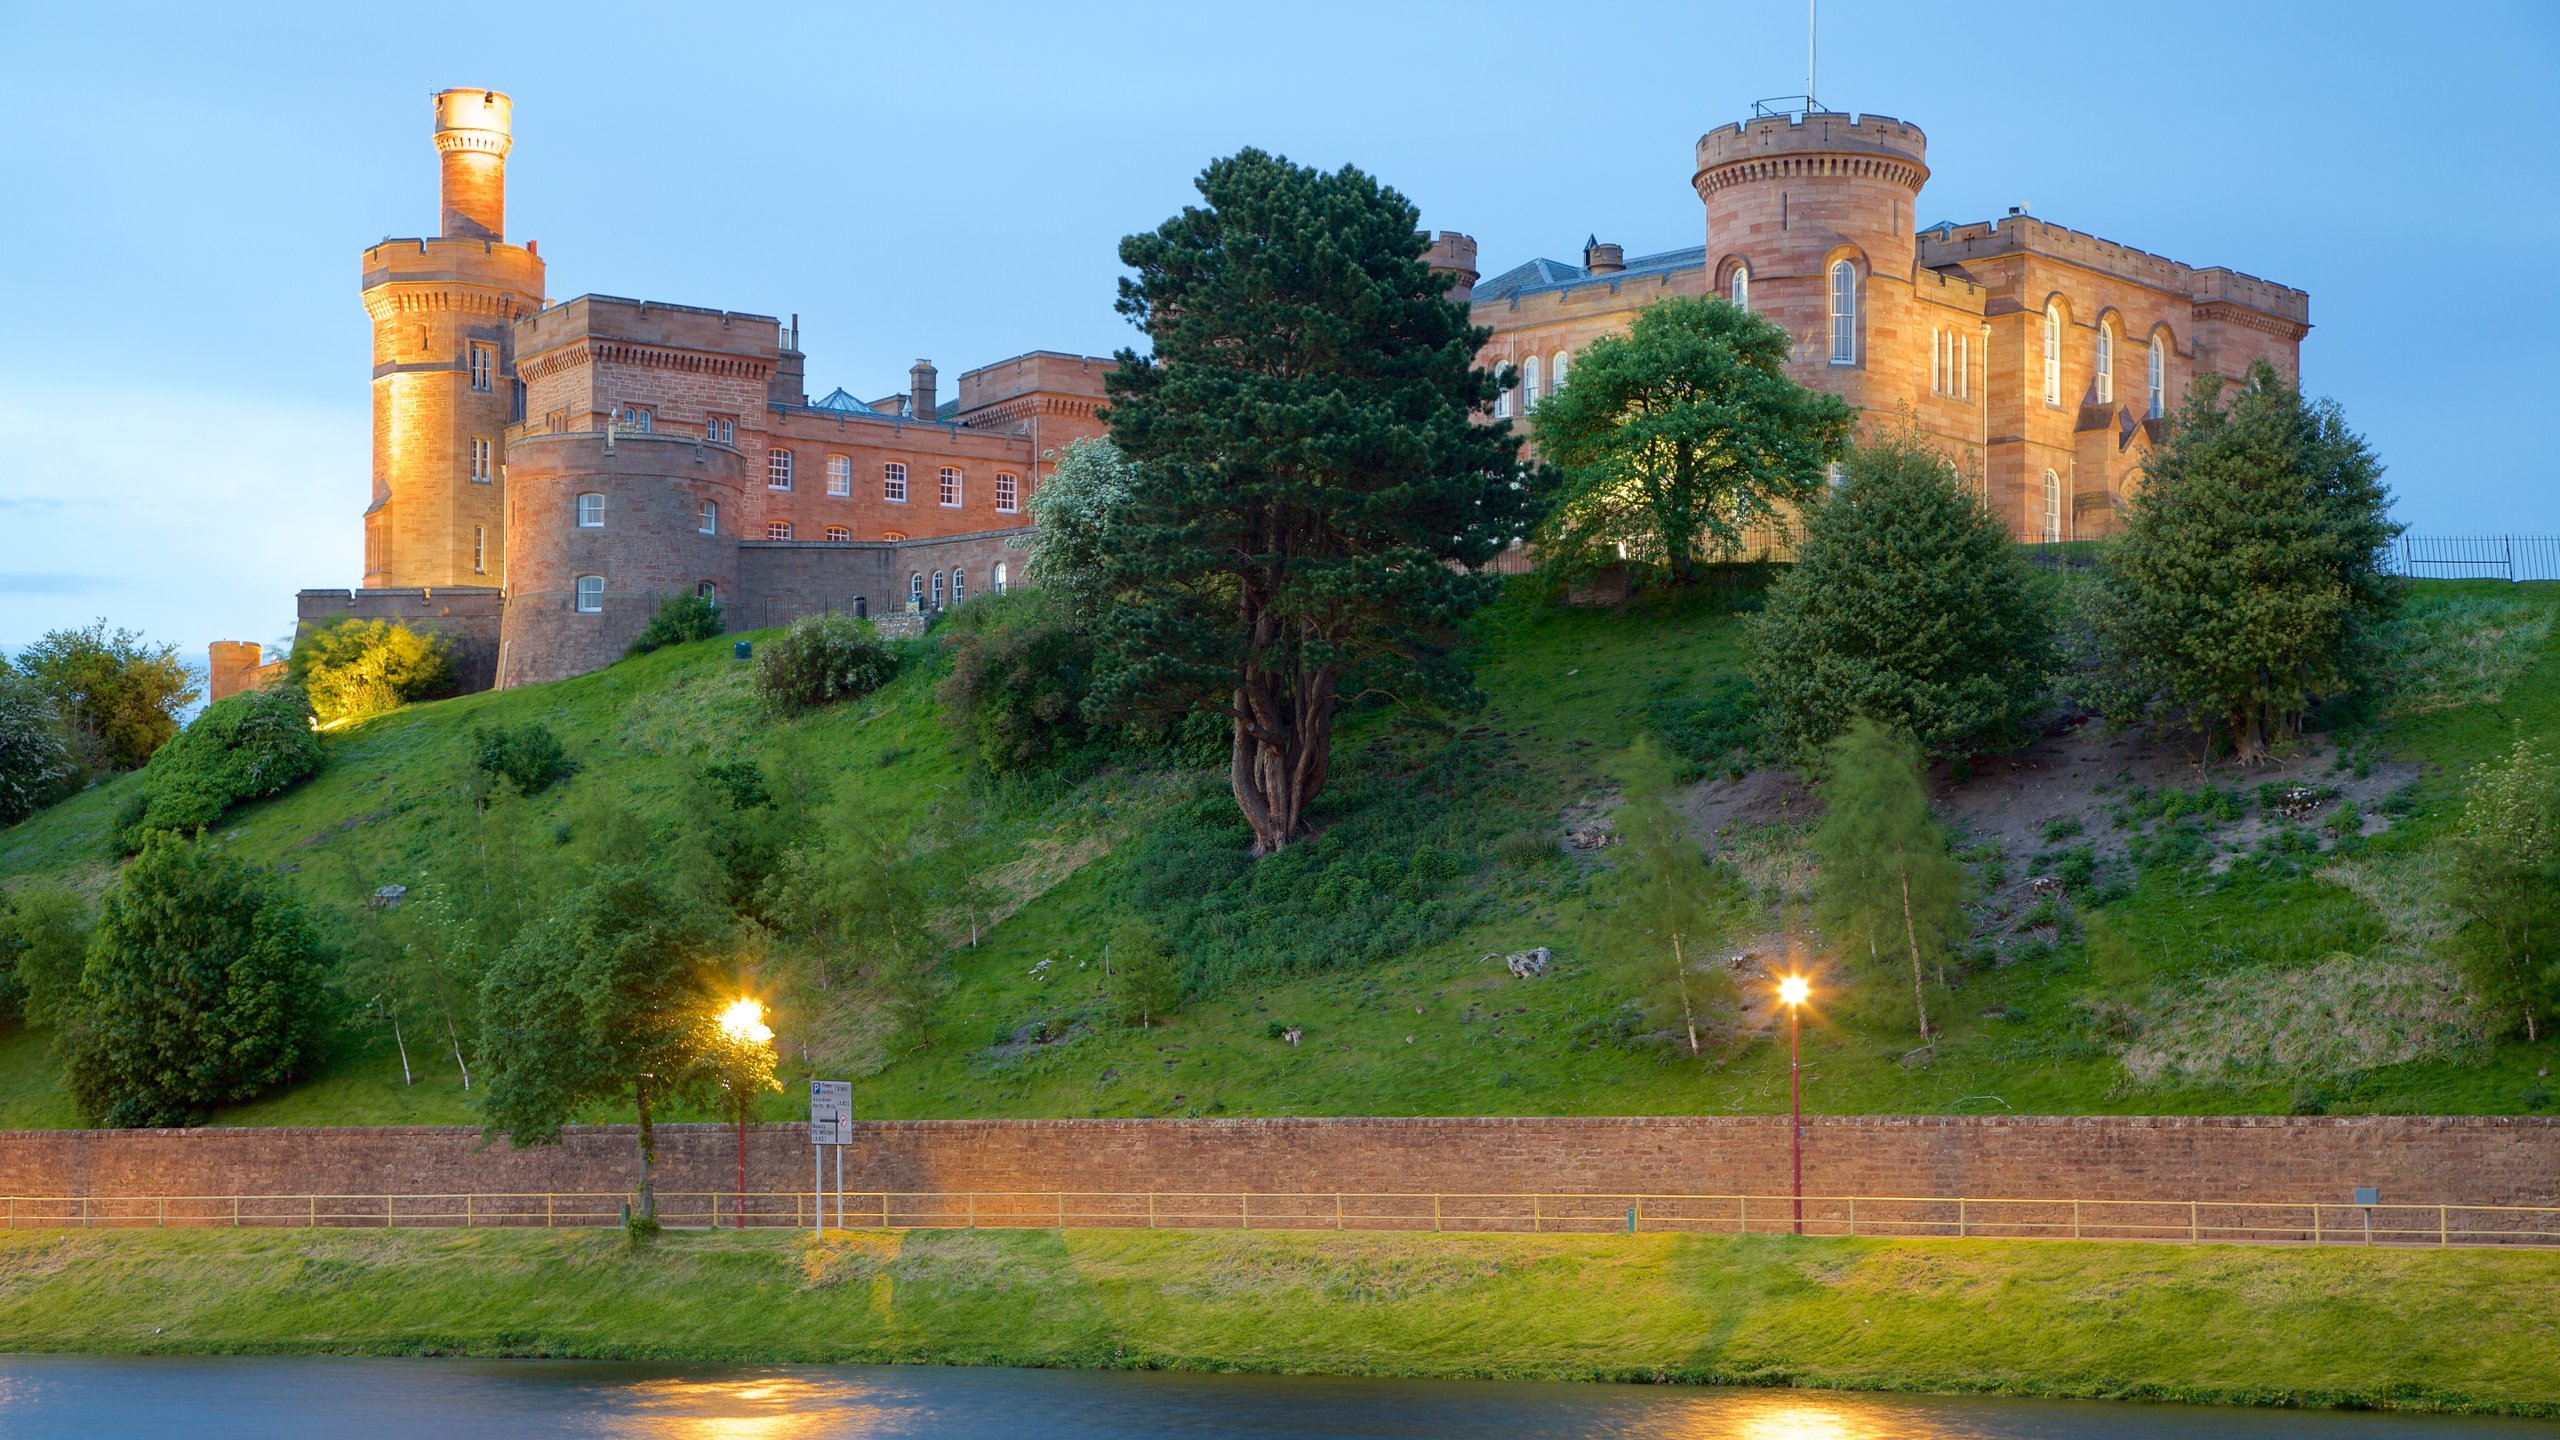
{"type": "Point", "coordinates": [1535, 276]}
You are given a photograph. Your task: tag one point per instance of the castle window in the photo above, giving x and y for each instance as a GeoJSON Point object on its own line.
{"type": "Point", "coordinates": [937, 589]}
{"type": "Point", "coordinates": [999, 577]}
{"type": "Point", "coordinates": [1742, 287]}
{"type": "Point", "coordinates": [777, 530]}
{"type": "Point", "coordinates": [638, 419]}
{"type": "Point", "coordinates": [2106, 361]}
{"type": "Point", "coordinates": [1937, 362]}
{"type": "Point", "coordinates": [484, 367]}
{"type": "Point", "coordinates": [777, 469]}
{"type": "Point", "coordinates": [838, 535]}
{"type": "Point", "coordinates": [1557, 376]}
{"type": "Point", "coordinates": [840, 475]}
{"type": "Point", "coordinates": [720, 430]}
{"type": "Point", "coordinates": [1528, 384]}
{"type": "Point", "coordinates": [708, 591]}
{"type": "Point", "coordinates": [556, 421]}
{"type": "Point", "coordinates": [950, 486]}
{"type": "Point", "coordinates": [1502, 403]}
{"type": "Point", "coordinates": [959, 587]}
{"type": "Point", "coordinates": [2159, 379]}
{"type": "Point", "coordinates": [590, 511]}
{"type": "Point", "coordinates": [708, 521]}
{"type": "Point", "coordinates": [2052, 353]}
{"type": "Point", "coordinates": [893, 483]}
{"type": "Point", "coordinates": [915, 591]}
{"type": "Point", "coordinates": [479, 549]}
{"type": "Point", "coordinates": [590, 594]}
{"type": "Point", "coordinates": [482, 451]}
{"type": "Point", "coordinates": [1008, 495]}
{"type": "Point", "coordinates": [1964, 365]}
{"type": "Point", "coordinates": [1844, 313]}
{"type": "Point", "coordinates": [893, 534]}
{"type": "Point", "coordinates": [2052, 507]}
{"type": "Point", "coordinates": [861, 607]}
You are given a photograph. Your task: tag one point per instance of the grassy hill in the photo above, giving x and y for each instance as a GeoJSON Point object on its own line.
{"type": "Point", "coordinates": [2210, 953]}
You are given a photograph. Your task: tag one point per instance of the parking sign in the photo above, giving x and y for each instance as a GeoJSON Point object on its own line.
{"type": "Point", "coordinates": [830, 1112]}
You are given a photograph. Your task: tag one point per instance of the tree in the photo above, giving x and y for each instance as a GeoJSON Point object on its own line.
{"type": "Point", "coordinates": [1674, 434]}
{"type": "Point", "coordinates": [1146, 981]}
{"type": "Point", "coordinates": [119, 695]}
{"type": "Point", "coordinates": [1675, 891]}
{"type": "Point", "coordinates": [35, 755]}
{"type": "Point", "coordinates": [1020, 670]}
{"type": "Point", "coordinates": [202, 988]}
{"type": "Point", "coordinates": [246, 747]}
{"type": "Point", "coordinates": [2248, 581]}
{"type": "Point", "coordinates": [44, 935]}
{"type": "Point", "coordinates": [1907, 603]}
{"type": "Point", "coordinates": [820, 659]}
{"type": "Point", "coordinates": [357, 668]}
{"type": "Point", "coordinates": [1886, 879]}
{"type": "Point", "coordinates": [1074, 511]}
{"type": "Point", "coordinates": [527, 756]}
{"type": "Point", "coordinates": [2504, 883]}
{"type": "Point", "coordinates": [1310, 497]}
{"type": "Point", "coordinates": [612, 994]}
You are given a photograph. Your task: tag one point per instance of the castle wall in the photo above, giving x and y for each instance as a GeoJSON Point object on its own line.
{"type": "Point", "coordinates": [779, 581]}
{"type": "Point", "coordinates": [469, 617]}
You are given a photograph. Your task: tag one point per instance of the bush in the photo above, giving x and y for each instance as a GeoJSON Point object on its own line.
{"type": "Point", "coordinates": [822, 659]}
{"type": "Point", "coordinates": [245, 748]}
{"type": "Point", "coordinates": [35, 754]}
{"type": "Point", "coordinates": [118, 695]}
{"type": "Point", "coordinates": [357, 668]}
{"type": "Point", "coordinates": [527, 756]}
{"type": "Point", "coordinates": [1146, 980]}
{"type": "Point", "coordinates": [202, 988]}
{"type": "Point", "coordinates": [1908, 605]}
{"type": "Point", "coordinates": [44, 942]}
{"type": "Point", "coordinates": [680, 620]}
{"type": "Point", "coordinates": [1020, 671]}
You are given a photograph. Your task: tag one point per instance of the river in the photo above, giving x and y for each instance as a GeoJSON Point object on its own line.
{"type": "Point", "coordinates": [44, 1396]}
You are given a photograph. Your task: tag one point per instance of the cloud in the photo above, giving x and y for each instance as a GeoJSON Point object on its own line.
{"type": "Point", "coordinates": [42, 582]}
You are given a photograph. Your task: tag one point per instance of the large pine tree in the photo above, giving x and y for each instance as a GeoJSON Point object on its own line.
{"type": "Point", "coordinates": [1312, 494]}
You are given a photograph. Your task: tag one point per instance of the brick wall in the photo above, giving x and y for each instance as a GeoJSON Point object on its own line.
{"type": "Point", "coordinates": [780, 580]}
{"type": "Point", "coordinates": [2475, 1161]}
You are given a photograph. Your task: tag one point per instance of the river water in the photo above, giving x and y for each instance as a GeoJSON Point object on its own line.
{"type": "Point", "coordinates": [43, 1396]}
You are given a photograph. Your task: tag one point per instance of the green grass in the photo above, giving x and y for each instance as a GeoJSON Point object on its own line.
{"type": "Point", "coordinates": [1431, 1028]}
{"type": "Point", "coordinates": [2263, 1325]}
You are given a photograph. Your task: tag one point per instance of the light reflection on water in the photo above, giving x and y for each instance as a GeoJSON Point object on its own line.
{"type": "Point", "coordinates": [42, 1397]}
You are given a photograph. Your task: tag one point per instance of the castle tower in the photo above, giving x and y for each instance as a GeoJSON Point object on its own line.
{"type": "Point", "coordinates": [1789, 199]}
{"type": "Point", "coordinates": [444, 376]}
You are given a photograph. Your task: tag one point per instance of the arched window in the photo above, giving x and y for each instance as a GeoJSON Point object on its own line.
{"type": "Point", "coordinates": [893, 534]}
{"type": "Point", "coordinates": [2052, 353]}
{"type": "Point", "coordinates": [839, 535]}
{"type": "Point", "coordinates": [1502, 403]}
{"type": "Point", "coordinates": [2106, 361]}
{"type": "Point", "coordinates": [999, 577]}
{"type": "Point", "coordinates": [2052, 507]}
{"type": "Point", "coordinates": [1741, 287]}
{"type": "Point", "coordinates": [2159, 400]}
{"type": "Point", "coordinates": [777, 530]}
{"type": "Point", "coordinates": [708, 521]}
{"type": "Point", "coordinates": [1556, 379]}
{"type": "Point", "coordinates": [590, 594]}
{"type": "Point", "coordinates": [959, 587]}
{"type": "Point", "coordinates": [1529, 384]}
{"type": "Point", "coordinates": [937, 589]}
{"type": "Point", "coordinates": [708, 591]}
{"type": "Point", "coordinates": [915, 591]}
{"type": "Point", "coordinates": [1844, 313]}
{"type": "Point", "coordinates": [591, 511]}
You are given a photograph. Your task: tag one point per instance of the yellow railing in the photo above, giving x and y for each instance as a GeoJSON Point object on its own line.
{"type": "Point", "coordinates": [2306, 1222]}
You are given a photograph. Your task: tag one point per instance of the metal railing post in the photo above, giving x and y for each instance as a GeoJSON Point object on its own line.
{"type": "Point", "coordinates": [1337, 1209]}
{"type": "Point", "coordinates": [1959, 1217]}
{"type": "Point", "coordinates": [315, 1210]}
{"type": "Point", "coordinates": [2444, 1235]}
{"type": "Point", "coordinates": [2194, 1231]}
{"type": "Point", "coordinates": [2315, 1223]}
{"type": "Point", "coordinates": [1853, 1214]}
{"type": "Point", "coordinates": [1435, 1212]}
{"type": "Point", "coordinates": [1742, 1215]}
{"type": "Point", "coordinates": [973, 1209]}
{"type": "Point", "coordinates": [164, 1212]}
{"type": "Point", "coordinates": [1151, 1209]}
{"type": "Point", "coordinates": [1535, 1222]}
{"type": "Point", "coordinates": [2075, 1219]}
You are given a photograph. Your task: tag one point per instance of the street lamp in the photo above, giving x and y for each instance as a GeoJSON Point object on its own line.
{"type": "Point", "coordinates": [742, 1026]}
{"type": "Point", "coordinates": [1791, 993]}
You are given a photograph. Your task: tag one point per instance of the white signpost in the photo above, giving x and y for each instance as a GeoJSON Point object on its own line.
{"type": "Point", "coordinates": [830, 1124]}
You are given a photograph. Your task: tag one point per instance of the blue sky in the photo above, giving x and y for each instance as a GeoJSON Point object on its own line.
{"type": "Point", "coordinates": [183, 399]}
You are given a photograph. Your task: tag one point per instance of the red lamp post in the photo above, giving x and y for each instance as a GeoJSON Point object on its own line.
{"type": "Point", "coordinates": [742, 1026]}
{"type": "Point", "coordinates": [1791, 993]}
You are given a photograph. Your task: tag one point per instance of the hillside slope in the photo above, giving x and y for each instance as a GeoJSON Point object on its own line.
{"type": "Point", "coordinates": [2218, 946]}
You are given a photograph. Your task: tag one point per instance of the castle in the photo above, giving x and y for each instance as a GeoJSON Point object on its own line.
{"type": "Point", "coordinates": [545, 474]}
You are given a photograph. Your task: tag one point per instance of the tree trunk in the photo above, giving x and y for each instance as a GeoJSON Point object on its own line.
{"type": "Point", "coordinates": [405, 1077]}
{"type": "Point", "coordinates": [1688, 1013]}
{"type": "Point", "coordinates": [648, 1155]}
{"type": "Point", "coordinates": [1919, 992]}
{"type": "Point", "coordinates": [1282, 745]}
{"type": "Point", "coordinates": [452, 1037]}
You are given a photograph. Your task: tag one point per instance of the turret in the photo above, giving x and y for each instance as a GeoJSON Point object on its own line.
{"type": "Point", "coordinates": [1454, 254]}
{"type": "Point", "coordinates": [474, 131]}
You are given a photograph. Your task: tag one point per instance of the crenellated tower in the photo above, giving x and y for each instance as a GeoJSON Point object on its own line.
{"type": "Point", "coordinates": [444, 374]}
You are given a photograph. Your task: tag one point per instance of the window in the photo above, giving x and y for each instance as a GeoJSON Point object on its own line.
{"type": "Point", "coordinates": [720, 429]}
{"type": "Point", "coordinates": [999, 577]}
{"type": "Point", "coordinates": [950, 486]}
{"type": "Point", "coordinates": [1844, 313]}
{"type": "Point", "coordinates": [915, 591]}
{"type": "Point", "coordinates": [482, 452]}
{"type": "Point", "coordinates": [590, 511]}
{"type": "Point", "coordinates": [838, 535]}
{"type": "Point", "coordinates": [1528, 384]}
{"type": "Point", "coordinates": [709, 520]}
{"type": "Point", "coordinates": [1937, 362]}
{"type": "Point", "coordinates": [893, 483]}
{"type": "Point", "coordinates": [590, 594]}
{"type": "Point", "coordinates": [840, 475]}
{"type": "Point", "coordinates": [2159, 379]}
{"type": "Point", "coordinates": [1741, 287]}
{"type": "Point", "coordinates": [484, 367]}
{"type": "Point", "coordinates": [1556, 377]}
{"type": "Point", "coordinates": [937, 589]}
{"type": "Point", "coordinates": [893, 534]}
{"type": "Point", "coordinates": [777, 469]}
{"type": "Point", "coordinates": [2052, 353]}
{"type": "Point", "coordinates": [1964, 365]}
{"type": "Point", "coordinates": [777, 530]}
{"type": "Point", "coordinates": [861, 607]}
{"type": "Point", "coordinates": [2106, 361]}
{"type": "Point", "coordinates": [1502, 403]}
{"type": "Point", "coordinates": [638, 419]}
{"type": "Point", "coordinates": [1008, 495]}
{"type": "Point", "coordinates": [479, 549]}
{"type": "Point", "coordinates": [556, 421]}
{"type": "Point", "coordinates": [2052, 507]}
{"type": "Point", "coordinates": [708, 591]}
{"type": "Point", "coordinates": [959, 587]}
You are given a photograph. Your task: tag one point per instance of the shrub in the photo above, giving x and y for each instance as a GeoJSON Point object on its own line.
{"type": "Point", "coordinates": [528, 756]}
{"type": "Point", "coordinates": [35, 755]}
{"type": "Point", "coordinates": [118, 695]}
{"type": "Point", "coordinates": [1908, 605]}
{"type": "Point", "coordinates": [357, 668]}
{"type": "Point", "coordinates": [1020, 671]}
{"type": "Point", "coordinates": [44, 941]}
{"type": "Point", "coordinates": [1073, 511]}
{"type": "Point", "coordinates": [202, 988]}
{"type": "Point", "coordinates": [1146, 979]}
{"type": "Point", "coordinates": [245, 748]}
{"type": "Point", "coordinates": [679, 620]}
{"type": "Point", "coordinates": [822, 659]}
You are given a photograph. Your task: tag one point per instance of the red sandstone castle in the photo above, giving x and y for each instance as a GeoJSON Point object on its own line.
{"type": "Point", "coordinates": [544, 474]}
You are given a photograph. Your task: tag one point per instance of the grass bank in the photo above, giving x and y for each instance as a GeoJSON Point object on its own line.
{"type": "Point", "coordinates": [2223, 1324]}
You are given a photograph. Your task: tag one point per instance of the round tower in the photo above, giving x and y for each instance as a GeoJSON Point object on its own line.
{"type": "Point", "coordinates": [444, 376]}
{"type": "Point", "coordinates": [1790, 200]}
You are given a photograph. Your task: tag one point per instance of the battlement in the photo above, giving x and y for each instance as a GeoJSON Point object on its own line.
{"type": "Point", "coordinates": [1040, 371]}
{"type": "Point", "coordinates": [453, 260]}
{"type": "Point", "coordinates": [1785, 146]}
{"type": "Point", "coordinates": [1950, 245]}
{"type": "Point", "coordinates": [652, 333]}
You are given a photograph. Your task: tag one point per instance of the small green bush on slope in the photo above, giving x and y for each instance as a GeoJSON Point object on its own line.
{"type": "Point", "coordinates": [360, 668]}
{"type": "Point", "coordinates": [248, 747]}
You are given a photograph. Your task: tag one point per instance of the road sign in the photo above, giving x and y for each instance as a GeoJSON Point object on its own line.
{"type": "Point", "coordinates": [830, 1112]}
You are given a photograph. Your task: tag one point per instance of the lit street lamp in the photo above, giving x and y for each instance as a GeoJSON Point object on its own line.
{"type": "Point", "coordinates": [749, 1060]}
{"type": "Point", "coordinates": [1791, 993]}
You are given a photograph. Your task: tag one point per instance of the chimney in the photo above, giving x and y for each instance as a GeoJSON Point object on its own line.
{"type": "Point", "coordinates": [789, 382]}
{"type": "Point", "coordinates": [1602, 259]}
{"type": "Point", "coordinates": [920, 403]}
